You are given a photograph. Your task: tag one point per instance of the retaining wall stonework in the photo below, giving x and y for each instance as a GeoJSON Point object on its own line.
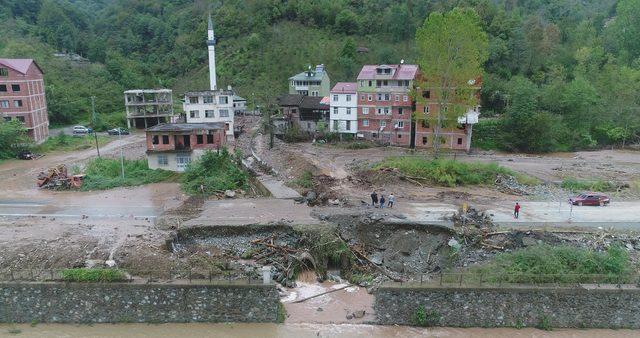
{"type": "Point", "coordinates": [122, 302]}
{"type": "Point", "coordinates": [511, 306]}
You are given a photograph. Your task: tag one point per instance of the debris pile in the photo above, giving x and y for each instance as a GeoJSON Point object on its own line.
{"type": "Point", "coordinates": [472, 218]}
{"type": "Point", "coordinates": [510, 185]}
{"type": "Point", "coordinates": [57, 178]}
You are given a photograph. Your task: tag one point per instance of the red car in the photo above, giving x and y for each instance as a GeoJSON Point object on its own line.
{"type": "Point", "coordinates": [591, 198]}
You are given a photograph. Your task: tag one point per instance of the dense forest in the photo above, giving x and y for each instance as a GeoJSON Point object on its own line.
{"type": "Point", "coordinates": [561, 74]}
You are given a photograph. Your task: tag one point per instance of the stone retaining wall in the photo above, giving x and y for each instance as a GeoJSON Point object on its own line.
{"type": "Point", "coordinates": [609, 307]}
{"type": "Point", "coordinates": [122, 302]}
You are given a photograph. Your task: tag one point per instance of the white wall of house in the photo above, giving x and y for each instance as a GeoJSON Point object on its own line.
{"type": "Point", "coordinates": [173, 161]}
{"type": "Point", "coordinates": [343, 113]}
{"type": "Point", "coordinates": [210, 108]}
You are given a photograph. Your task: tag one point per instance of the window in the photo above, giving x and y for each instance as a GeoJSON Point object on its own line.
{"type": "Point", "coordinates": [383, 124]}
{"type": "Point", "coordinates": [194, 114]}
{"type": "Point", "coordinates": [362, 97]}
{"type": "Point", "coordinates": [379, 97]}
{"type": "Point", "coordinates": [365, 110]}
{"type": "Point", "coordinates": [385, 83]}
{"type": "Point", "coordinates": [400, 111]}
{"type": "Point", "coordinates": [348, 125]}
{"type": "Point", "coordinates": [379, 111]}
{"type": "Point", "coordinates": [199, 139]}
{"type": "Point", "coordinates": [425, 140]}
{"type": "Point", "coordinates": [193, 99]}
{"type": "Point", "coordinates": [397, 98]}
{"type": "Point", "coordinates": [348, 98]}
{"type": "Point", "coordinates": [361, 83]}
{"type": "Point", "coordinates": [4, 72]}
{"type": "Point", "coordinates": [405, 98]}
{"type": "Point", "coordinates": [4, 104]}
{"type": "Point", "coordinates": [224, 99]}
{"type": "Point", "coordinates": [207, 99]}
{"type": "Point", "coordinates": [155, 139]}
{"type": "Point", "coordinates": [335, 110]}
{"type": "Point", "coordinates": [7, 118]}
{"type": "Point", "coordinates": [378, 83]}
{"type": "Point", "coordinates": [314, 93]}
{"type": "Point", "coordinates": [387, 97]}
{"type": "Point", "coordinates": [348, 111]}
{"type": "Point", "coordinates": [426, 94]}
{"type": "Point", "coordinates": [370, 84]}
{"type": "Point", "coordinates": [426, 109]}
{"type": "Point", "coordinates": [3, 88]}
{"type": "Point", "coordinates": [400, 124]}
{"type": "Point", "coordinates": [335, 98]}
{"type": "Point", "coordinates": [370, 97]}
{"type": "Point", "coordinates": [209, 138]}
{"type": "Point", "coordinates": [386, 111]}
{"type": "Point", "coordinates": [365, 123]}
{"type": "Point", "coordinates": [20, 118]}
{"type": "Point", "coordinates": [17, 103]}
{"type": "Point", "coordinates": [163, 160]}
{"type": "Point", "coordinates": [209, 113]}
{"type": "Point", "coordinates": [425, 124]}
{"type": "Point", "coordinates": [183, 160]}
{"type": "Point", "coordinates": [459, 140]}
{"type": "Point", "coordinates": [224, 112]}
{"type": "Point", "coordinates": [165, 139]}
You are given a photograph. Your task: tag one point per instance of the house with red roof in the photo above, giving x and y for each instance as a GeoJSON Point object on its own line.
{"type": "Point", "coordinates": [384, 103]}
{"type": "Point", "coordinates": [22, 96]}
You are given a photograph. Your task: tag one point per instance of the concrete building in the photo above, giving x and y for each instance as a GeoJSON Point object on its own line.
{"type": "Point", "coordinates": [458, 138]}
{"type": "Point", "coordinates": [148, 107]}
{"type": "Point", "coordinates": [312, 82]}
{"type": "Point", "coordinates": [384, 103]}
{"type": "Point", "coordinates": [22, 96]}
{"type": "Point", "coordinates": [303, 112]}
{"type": "Point", "coordinates": [344, 108]}
{"type": "Point", "coordinates": [173, 146]}
{"type": "Point", "coordinates": [210, 106]}
{"type": "Point", "coordinates": [239, 105]}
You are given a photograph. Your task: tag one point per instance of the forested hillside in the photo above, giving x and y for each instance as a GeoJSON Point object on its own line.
{"type": "Point", "coordinates": [561, 74]}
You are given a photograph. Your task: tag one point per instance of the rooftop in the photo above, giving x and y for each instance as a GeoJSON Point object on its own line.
{"type": "Point", "coordinates": [238, 98]}
{"type": "Point", "coordinates": [398, 72]}
{"type": "Point", "coordinates": [20, 65]}
{"type": "Point", "coordinates": [311, 74]}
{"type": "Point", "coordinates": [344, 87]}
{"type": "Point", "coordinates": [147, 91]}
{"type": "Point", "coordinates": [210, 92]}
{"type": "Point", "coordinates": [289, 99]}
{"type": "Point", "coordinates": [314, 102]}
{"type": "Point", "coordinates": [186, 127]}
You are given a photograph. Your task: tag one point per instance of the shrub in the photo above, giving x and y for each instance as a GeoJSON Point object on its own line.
{"type": "Point", "coordinates": [106, 173]}
{"type": "Point", "coordinates": [305, 180]}
{"type": "Point", "coordinates": [93, 275]}
{"type": "Point", "coordinates": [486, 134]}
{"type": "Point", "coordinates": [449, 173]}
{"type": "Point", "coordinates": [574, 184]}
{"type": "Point", "coordinates": [216, 171]}
{"type": "Point", "coordinates": [425, 319]}
{"type": "Point", "coordinates": [549, 264]}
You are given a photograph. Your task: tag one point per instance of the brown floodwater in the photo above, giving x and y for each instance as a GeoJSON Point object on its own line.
{"type": "Point", "coordinates": [286, 331]}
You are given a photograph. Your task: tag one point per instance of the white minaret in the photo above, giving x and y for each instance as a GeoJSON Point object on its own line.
{"type": "Point", "coordinates": [211, 43]}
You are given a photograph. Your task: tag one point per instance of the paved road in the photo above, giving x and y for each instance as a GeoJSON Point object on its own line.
{"type": "Point", "coordinates": [48, 208]}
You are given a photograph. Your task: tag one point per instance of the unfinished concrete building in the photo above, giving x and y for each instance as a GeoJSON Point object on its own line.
{"type": "Point", "coordinates": [148, 107]}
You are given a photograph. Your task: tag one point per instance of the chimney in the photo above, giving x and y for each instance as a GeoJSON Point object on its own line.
{"type": "Point", "coordinates": [320, 68]}
{"type": "Point", "coordinates": [229, 88]}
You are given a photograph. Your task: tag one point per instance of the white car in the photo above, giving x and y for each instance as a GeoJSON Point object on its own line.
{"type": "Point", "coordinates": [80, 130]}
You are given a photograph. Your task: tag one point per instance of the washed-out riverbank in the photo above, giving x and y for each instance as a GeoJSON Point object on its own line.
{"type": "Point", "coordinates": [287, 330]}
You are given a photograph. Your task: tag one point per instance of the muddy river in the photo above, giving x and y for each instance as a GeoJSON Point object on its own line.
{"type": "Point", "coordinates": [284, 330]}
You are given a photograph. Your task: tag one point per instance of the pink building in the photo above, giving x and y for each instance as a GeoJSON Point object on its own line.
{"type": "Point", "coordinates": [22, 96]}
{"type": "Point", "coordinates": [384, 103]}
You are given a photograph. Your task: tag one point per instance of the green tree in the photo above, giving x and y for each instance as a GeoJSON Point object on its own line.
{"type": "Point", "coordinates": [452, 50]}
{"type": "Point", "coordinates": [13, 138]}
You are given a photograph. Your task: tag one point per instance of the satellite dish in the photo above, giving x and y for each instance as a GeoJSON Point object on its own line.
{"type": "Point", "coordinates": [402, 61]}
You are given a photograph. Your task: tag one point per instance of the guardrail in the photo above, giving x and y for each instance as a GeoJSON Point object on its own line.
{"type": "Point", "coordinates": [495, 279]}
{"type": "Point", "coordinates": [174, 275]}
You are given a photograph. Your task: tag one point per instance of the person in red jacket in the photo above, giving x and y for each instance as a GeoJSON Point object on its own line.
{"type": "Point", "coordinates": [516, 210]}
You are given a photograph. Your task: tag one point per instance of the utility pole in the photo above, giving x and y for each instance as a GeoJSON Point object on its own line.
{"type": "Point", "coordinates": [121, 152]}
{"type": "Point", "coordinates": [95, 133]}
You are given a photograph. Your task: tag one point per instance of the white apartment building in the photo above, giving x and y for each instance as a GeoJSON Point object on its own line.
{"type": "Point", "coordinates": [210, 106]}
{"type": "Point", "coordinates": [343, 113]}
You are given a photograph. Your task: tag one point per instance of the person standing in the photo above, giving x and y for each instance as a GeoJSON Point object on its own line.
{"type": "Point", "coordinates": [374, 199]}
{"type": "Point", "coordinates": [382, 200]}
{"type": "Point", "coordinates": [392, 199]}
{"type": "Point", "coordinates": [516, 210]}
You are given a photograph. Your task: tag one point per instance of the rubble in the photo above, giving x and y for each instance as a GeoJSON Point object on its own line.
{"type": "Point", "coordinates": [510, 185]}
{"type": "Point", "coordinates": [57, 178]}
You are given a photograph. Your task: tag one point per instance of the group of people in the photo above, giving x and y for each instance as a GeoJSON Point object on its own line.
{"type": "Point", "coordinates": [381, 202]}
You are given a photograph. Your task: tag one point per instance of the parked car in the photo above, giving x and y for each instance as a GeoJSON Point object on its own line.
{"type": "Point", "coordinates": [591, 198]}
{"type": "Point", "coordinates": [81, 130]}
{"type": "Point", "coordinates": [118, 131]}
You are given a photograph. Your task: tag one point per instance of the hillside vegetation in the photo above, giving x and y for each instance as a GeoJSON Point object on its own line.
{"type": "Point", "coordinates": [561, 75]}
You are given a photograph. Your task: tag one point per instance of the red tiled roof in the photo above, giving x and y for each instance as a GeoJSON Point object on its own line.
{"type": "Point", "coordinates": [21, 65]}
{"type": "Point", "coordinates": [344, 87]}
{"type": "Point", "coordinates": [401, 72]}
